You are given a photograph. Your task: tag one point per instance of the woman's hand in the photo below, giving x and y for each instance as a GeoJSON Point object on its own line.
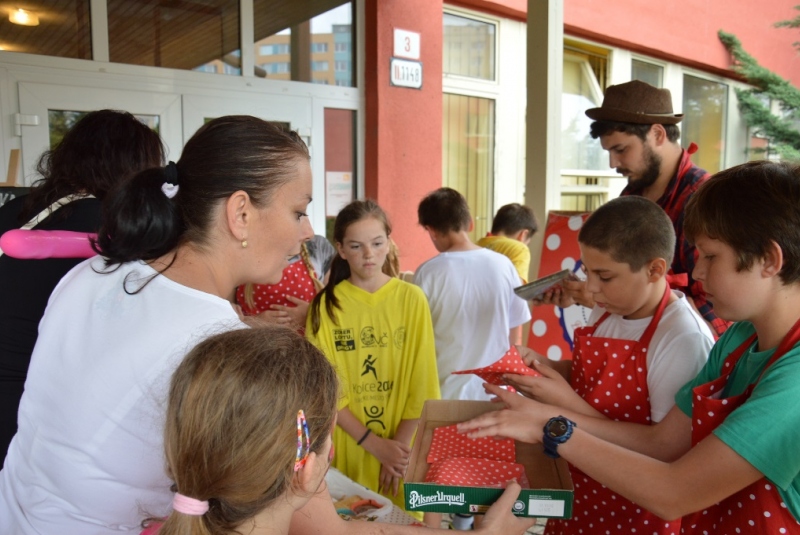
{"type": "Point", "coordinates": [499, 520]}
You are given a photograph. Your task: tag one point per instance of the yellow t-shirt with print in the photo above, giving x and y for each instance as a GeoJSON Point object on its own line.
{"type": "Point", "coordinates": [383, 349]}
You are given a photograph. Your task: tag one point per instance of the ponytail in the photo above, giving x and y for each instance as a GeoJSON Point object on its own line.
{"type": "Point", "coordinates": [340, 270]}
{"type": "Point", "coordinates": [139, 221]}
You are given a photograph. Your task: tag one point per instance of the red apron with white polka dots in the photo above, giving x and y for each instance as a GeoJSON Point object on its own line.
{"type": "Point", "coordinates": [757, 508]}
{"type": "Point", "coordinates": [611, 375]}
{"type": "Point", "coordinates": [296, 281]}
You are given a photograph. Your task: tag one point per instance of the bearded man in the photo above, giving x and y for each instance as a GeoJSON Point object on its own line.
{"type": "Point", "coordinates": [638, 128]}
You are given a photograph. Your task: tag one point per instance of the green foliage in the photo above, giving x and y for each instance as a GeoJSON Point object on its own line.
{"type": "Point", "coordinates": [782, 132]}
{"type": "Point", "coordinates": [791, 23]}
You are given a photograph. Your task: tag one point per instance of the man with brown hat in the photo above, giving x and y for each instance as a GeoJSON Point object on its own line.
{"type": "Point", "coordinates": [638, 128]}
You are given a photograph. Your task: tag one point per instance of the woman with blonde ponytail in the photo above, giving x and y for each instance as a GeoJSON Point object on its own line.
{"type": "Point", "coordinates": [248, 433]}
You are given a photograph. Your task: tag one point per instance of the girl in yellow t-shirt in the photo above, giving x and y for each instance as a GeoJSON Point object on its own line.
{"type": "Point", "coordinates": [377, 331]}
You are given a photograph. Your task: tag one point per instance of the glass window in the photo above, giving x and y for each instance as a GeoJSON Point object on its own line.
{"type": "Point", "coordinates": [647, 72]}
{"type": "Point", "coordinates": [704, 108]}
{"type": "Point", "coordinates": [340, 157]}
{"type": "Point", "coordinates": [580, 92]}
{"type": "Point", "coordinates": [468, 154]}
{"type": "Point", "coordinates": [60, 121]}
{"type": "Point", "coordinates": [59, 29]}
{"type": "Point", "coordinates": [303, 31]}
{"type": "Point", "coordinates": [177, 35]}
{"type": "Point", "coordinates": [477, 58]}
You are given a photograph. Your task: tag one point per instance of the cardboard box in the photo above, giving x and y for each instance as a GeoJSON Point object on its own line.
{"type": "Point", "coordinates": [551, 491]}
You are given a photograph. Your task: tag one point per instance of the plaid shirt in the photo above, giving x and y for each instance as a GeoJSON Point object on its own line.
{"type": "Point", "coordinates": [680, 188]}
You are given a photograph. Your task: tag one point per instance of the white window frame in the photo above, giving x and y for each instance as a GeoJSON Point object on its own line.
{"type": "Point", "coordinates": [508, 91]}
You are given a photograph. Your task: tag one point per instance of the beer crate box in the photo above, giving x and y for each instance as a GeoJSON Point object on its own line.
{"type": "Point", "coordinates": [550, 494]}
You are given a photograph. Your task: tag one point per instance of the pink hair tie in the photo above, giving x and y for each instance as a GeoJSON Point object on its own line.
{"type": "Point", "coordinates": [189, 506]}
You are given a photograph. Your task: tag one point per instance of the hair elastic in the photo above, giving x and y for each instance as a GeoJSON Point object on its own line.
{"type": "Point", "coordinates": [189, 506]}
{"type": "Point", "coordinates": [170, 185]}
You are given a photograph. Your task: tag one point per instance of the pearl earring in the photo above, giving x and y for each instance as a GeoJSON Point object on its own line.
{"type": "Point", "coordinates": [244, 244]}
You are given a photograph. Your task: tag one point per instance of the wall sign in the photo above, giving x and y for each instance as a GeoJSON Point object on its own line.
{"type": "Point", "coordinates": [404, 73]}
{"type": "Point", "coordinates": [406, 44]}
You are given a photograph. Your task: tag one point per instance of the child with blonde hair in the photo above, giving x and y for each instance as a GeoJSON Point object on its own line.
{"type": "Point", "coordinates": [248, 432]}
{"type": "Point", "coordinates": [377, 331]}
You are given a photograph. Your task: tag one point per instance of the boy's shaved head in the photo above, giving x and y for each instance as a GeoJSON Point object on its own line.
{"type": "Point", "coordinates": [632, 230]}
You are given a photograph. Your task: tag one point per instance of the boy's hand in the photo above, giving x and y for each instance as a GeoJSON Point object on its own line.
{"type": "Point", "coordinates": [499, 520]}
{"type": "Point", "coordinates": [520, 420]}
{"type": "Point", "coordinates": [550, 388]}
{"type": "Point", "coordinates": [570, 292]}
{"type": "Point", "coordinates": [529, 356]}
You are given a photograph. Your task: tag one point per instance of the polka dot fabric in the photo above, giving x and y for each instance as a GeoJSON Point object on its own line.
{"type": "Point", "coordinates": [611, 375]}
{"type": "Point", "coordinates": [511, 362]}
{"type": "Point", "coordinates": [757, 509]}
{"type": "Point", "coordinates": [468, 472]}
{"type": "Point", "coordinates": [296, 282]}
{"type": "Point", "coordinates": [552, 328]}
{"type": "Point", "coordinates": [448, 443]}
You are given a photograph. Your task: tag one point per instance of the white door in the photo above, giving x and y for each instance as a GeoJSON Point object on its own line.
{"type": "Point", "coordinates": [38, 102]}
{"type": "Point", "coordinates": [294, 111]}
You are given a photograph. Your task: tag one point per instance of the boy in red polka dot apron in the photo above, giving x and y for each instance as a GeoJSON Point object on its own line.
{"type": "Point", "coordinates": [726, 457]}
{"type": "Point", "coordinates": [644, 342]}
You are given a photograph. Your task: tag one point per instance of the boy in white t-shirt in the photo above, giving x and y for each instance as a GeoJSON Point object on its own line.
{"type": "Point", "coordinates": [643, 343]}
{"type": "Point", "coordinates": [476, 314]}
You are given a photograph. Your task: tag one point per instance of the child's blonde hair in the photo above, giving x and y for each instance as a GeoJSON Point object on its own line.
{"type": "Point", "coordinates": [231, 429]}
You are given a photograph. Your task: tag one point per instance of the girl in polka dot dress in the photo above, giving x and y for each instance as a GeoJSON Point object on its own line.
{"type": "Point", "coordinates": [726, 457]}
{"type": "Point", "coordinates": [377, 330]}
{"type": "Point", "coordinates": [286, 303]}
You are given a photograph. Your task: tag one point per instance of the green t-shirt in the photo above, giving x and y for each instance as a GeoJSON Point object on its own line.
{"type": "Point", "coordinates": [765, 430]}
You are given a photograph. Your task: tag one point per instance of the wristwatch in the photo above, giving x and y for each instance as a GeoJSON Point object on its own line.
{"type": "Point", "coordinates": [556, 431]}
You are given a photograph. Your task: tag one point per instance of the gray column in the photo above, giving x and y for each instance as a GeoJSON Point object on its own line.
{"type": "Point", "coordinates": [543, 146]}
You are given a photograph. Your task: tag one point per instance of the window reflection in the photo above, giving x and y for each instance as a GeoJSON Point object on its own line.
{"type": "Point", "coordinates": [64, 30]}
{"type": "Point", "coordinates": [180, 35]}
{"type": "Point", "coordinates": [704, 108]}
{"type": "Point", "coordinates": [469, 47]}
{"type": "Point", "coordinates": [296, 42]}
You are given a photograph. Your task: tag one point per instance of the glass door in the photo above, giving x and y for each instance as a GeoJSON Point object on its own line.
{"type": "Point", "coordinates": [47, 110]}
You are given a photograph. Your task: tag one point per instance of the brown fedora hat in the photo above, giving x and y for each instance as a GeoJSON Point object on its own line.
{"type": "Point", "coordinates": [636, 102]}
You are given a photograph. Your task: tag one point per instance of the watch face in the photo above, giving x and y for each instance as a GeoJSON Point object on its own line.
{"type": "Point", "coordinates": [557, 428]}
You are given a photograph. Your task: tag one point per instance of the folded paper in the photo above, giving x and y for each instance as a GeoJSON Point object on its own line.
{"type": "Point", "coordinates": [447, 443]}
{"type": "Point", "coordinates": [476, 473]}
{"type": "Point", "coordinates": [510, 363]}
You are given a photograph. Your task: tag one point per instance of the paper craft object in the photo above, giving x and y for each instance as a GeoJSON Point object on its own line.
{"type": "Point", "coordinates": [469, 472]}
{"type": "Point", "coordinates": [511, 362]}
{"type": "Point", "coordinates": [447, 443]}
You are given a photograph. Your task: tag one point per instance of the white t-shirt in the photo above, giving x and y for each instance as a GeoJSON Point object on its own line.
{"type": "Point", "coordinates": [678, 350]}
{"type": "Point", "coordinates": [88, 455]}
{"type": "Point", "coordinates": [473, 306]}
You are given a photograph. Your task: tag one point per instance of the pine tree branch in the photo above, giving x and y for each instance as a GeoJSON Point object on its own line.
{"type": "Point", "coordinates": [757, 115]}
{"type": "Point", "coordinates": [768, 82]}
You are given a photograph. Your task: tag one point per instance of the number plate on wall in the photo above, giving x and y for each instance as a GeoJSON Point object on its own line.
{"type": "Point", "coordinates": [404, 73]}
